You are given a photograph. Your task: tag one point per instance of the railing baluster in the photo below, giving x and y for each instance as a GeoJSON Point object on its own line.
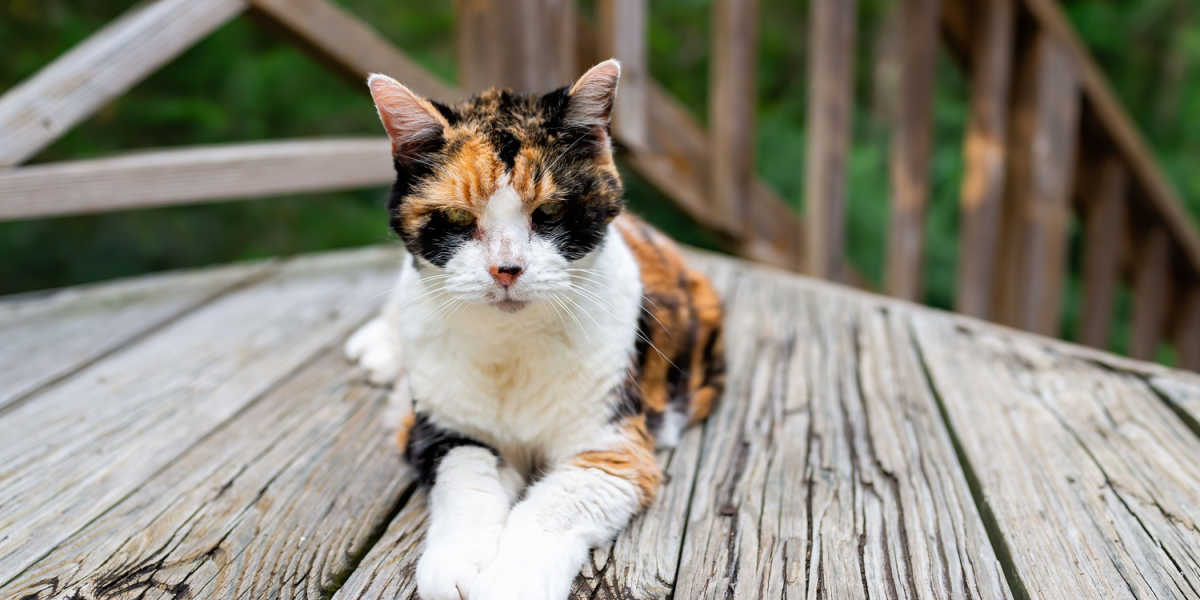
{"type": "Point", "coordinates": [731, 106]}
{"type": "Point", "coordinates": [1187, 331]}
{"type": "Point", "coordinates": [526, 45]}
{"type": "Point", "coordinates": [1151, 294]}
{"type": "Point", "coordinates": [911, 145]}
{"type": "Point", "coordinates": [1043, 141]}
{"type": "Point", "coordinates": [1104, 239]}
{"type": "Point", "coordinates": [830, 108]}
{"type": "Point", "coordinates": [985, 153]}
{"type": "Point", "coordinates": [623, 36]}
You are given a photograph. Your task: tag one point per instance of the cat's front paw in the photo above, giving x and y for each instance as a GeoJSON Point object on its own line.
{"type": "Point", "coordinates": [528, 567]}
{"type": "Point", "coordinates": [373, 348]}
{"type": "Point", "coordinates": [446, 571]}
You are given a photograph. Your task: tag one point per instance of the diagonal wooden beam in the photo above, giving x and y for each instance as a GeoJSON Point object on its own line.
{"type": "Point", "coordinates": [340, 39]}
{"type": "Point", "coordinates": [193, 175]}
{"type": "Point", "coordinates": [88, 76]}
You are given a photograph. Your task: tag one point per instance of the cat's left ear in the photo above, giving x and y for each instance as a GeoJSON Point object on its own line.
{"type": "Point", "coordinates": [590, 99]}
{"type": "Point", "coordinates": [412, 122]}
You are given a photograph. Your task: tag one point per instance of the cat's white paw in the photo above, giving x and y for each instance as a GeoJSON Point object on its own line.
{"type": "Point", "coordinates": [373, 348]}
{"type": "Point", "coordinates": [529, 566]}
{"type": "Point", "coordinates": [448, 568]}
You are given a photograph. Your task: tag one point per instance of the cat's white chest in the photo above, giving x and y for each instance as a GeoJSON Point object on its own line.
{"type": "Point", "coordinates": [535, 384]}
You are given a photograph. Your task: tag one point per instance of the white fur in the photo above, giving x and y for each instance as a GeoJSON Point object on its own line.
{"type": "Point", "coordinates": [534, 384]}
{"type": "Point", "coordinates": [468, 507]}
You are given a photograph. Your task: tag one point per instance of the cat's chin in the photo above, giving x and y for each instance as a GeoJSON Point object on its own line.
{"type": "Point", "coordinates": [510, 306]}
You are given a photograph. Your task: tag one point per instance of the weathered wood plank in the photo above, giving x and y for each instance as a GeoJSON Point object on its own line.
{"type": "Point", "coordinates": [191, 175]}
{"type": "Point", "coordinates": [74, 450]}
{"type": "Point", "coordinates": [911, 147]}
{"type": "Point", "coordinates": [48, 336]}
{"type": "Point", "coordinates": [1045, 119]}
{"type": "Point", "coordinates": [526, 45]}
{"type": "Point", "coordinates": [279, 503]}
{"type": "Point", "coordinates": [731, 108]}
{"type": "Point", "coordinates": [342, 40]}
{"type": "Point", "coordinates": [1151, 294]}
{"type": "Point", "coordinates": [88, 76]}
{"type": "Point", "coordinates": [622, 29]}
{"type": "Point", "coordinates": [1089, 477]}
{"type": "Point", "coordinates": [1104, 240]}
{"type": "Point", "coordinates": [827, 473]}
{"type": "Point", "coordinates": [830, 110]}
{"type": "Point", "coordinates": [985, 151]}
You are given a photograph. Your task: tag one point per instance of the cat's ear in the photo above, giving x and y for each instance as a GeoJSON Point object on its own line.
{"type": "Point", "coordinates": [412, 122]}
{"type": "Point", "coordinates": [590, 99]}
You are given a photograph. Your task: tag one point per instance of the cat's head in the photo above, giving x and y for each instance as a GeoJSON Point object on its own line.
{"type": "Point", "coordinates": [502, 195]}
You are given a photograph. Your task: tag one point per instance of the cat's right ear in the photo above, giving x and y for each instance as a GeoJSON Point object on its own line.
{"type": "Point", "coordinates": [412, 122]}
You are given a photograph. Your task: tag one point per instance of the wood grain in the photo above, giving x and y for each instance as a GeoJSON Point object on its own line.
{"type": "Point", "coordinates": [76, 449]}
{"type": "Point", "coordinates": [826, 472]}
{"type": "Point", "coordinates": [1104, 239]}
{"type": "Point", "coordinates": [104, 66]}
{"type": "Point", "coordinates": [830, 110]}
{"type": "Point", "coordinates": [985, 150]}
{"type": "Point", "coordinates": [48, 336]}
{"type": "Point", "coordinates": [911, 147]}
{"type": "Point", "coordinates": [1089, 477]}
{"type": "Point", "coordinates": [279, 503]}
{"type": "Point", "coordinates": [1045, 120]}
{"type": "Point", "coordinates": [189, 175]}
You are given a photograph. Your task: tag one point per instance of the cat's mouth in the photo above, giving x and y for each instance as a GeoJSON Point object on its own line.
{"type": "Point", "coordinates": [509, 305]}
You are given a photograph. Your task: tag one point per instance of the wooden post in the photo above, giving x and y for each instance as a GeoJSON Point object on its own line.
{"type": "Point", "coordinates": [1105, 215]}
{"type": "Point", "coordinates": [1187, 331]}
{"type": "Point", "coordinates": [623, 37]}
{"type": "Point", "coordinates": [1043, 140]}
{"type": "Point", "coordinates": [911, 144]}
{"type": "Point", "coordinates": [1151, 294]}
{"type": "Point", "coordinates": [731, 107]}
{"type": "Point", "coordinates": [830, 108]}
{"type": "Point", "coordinates": [525, 45]}
{"type": "Point", "coordinates": [985, 155]}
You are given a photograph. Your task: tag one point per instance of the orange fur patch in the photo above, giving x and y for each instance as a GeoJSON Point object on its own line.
{"type": "Point", "coordinates": [685, 319]}
{"type": "Point", "coordinates": [634, 461]}
{"type": "Point", "coordinates": [406, 425]}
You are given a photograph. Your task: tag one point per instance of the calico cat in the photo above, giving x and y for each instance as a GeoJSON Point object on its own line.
{"type": "Point", "coordinates": [550, 339]}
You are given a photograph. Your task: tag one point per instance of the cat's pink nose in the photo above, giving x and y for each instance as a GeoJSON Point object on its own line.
{"type": "Point", "coordinates": [505, 275]}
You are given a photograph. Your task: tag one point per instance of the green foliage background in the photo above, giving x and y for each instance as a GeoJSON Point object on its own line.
{"type": "Point", "coordinates": [243, 83]}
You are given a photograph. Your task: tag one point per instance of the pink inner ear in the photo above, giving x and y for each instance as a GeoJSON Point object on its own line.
{"type": "Point", "coordinates": [593, 94]}
{"type": "Point", "coordinates": [406, 117]}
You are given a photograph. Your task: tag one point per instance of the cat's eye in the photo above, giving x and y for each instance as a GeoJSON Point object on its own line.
{"type": "Point", "coordinates": [458, 217]}
{"type": "Point", "coordinates": [550, 210]}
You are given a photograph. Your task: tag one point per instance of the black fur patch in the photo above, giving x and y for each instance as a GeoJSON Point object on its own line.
{"type": "Point", "coordinates": [428, 444]}
{"type": "Point", "coordinates": [507, 146]}
{"type": "Point", "coordinates": [438, 239]}
{"type": "Point", "coordinates": [629, 401]}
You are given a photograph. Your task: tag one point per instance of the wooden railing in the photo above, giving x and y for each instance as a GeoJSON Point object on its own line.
{"type": "Point", "coordinates": [1045, 140]}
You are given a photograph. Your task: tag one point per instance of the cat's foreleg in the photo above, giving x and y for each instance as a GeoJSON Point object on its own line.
{"type": "Point", "coordinates": [374, 348]}
{"type": "Point", "coordinates": [469, 501]}
{"type": "Point", "coordinates": [573, 508]}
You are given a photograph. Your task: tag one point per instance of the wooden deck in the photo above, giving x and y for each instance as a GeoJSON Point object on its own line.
{"type": "Point", "coordinates": [198, 435]}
